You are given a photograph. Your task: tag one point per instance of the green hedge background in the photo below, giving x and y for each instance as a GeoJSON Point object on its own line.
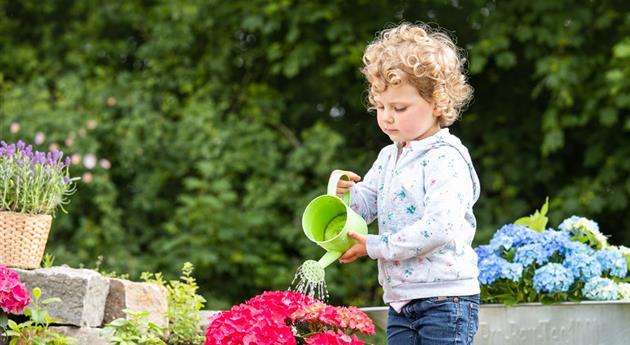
{"type": "Point", "coordinates": [202, 128]}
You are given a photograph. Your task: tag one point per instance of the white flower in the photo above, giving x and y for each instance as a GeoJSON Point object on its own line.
{"type": "Point", "coordinates": [105, 164]}
{"type": "Point", "coordinates": [89, 161]}
{"type": "Point", "coordinates": [87, 177]}
{"type": "Point", "coordinates": [76, 158]}
{"type": "Point", "coordinates": [623, 289]}
{"type": "Point", "coordinates": [574, 225]}
{"type": "Point", "coordinates": [15, 127]}
{"type": "Point", "coordinates": [91, 124]}
{"type": "Point", "coordinates": [625, 251]}
{"type": "Point", "coordinates": [69, 141]}
{"type": "Point", "coordinates": [40, 137]}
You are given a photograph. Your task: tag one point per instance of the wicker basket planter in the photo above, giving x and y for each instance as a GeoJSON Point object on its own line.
{"type": "Point", "coordinates": [23, 239]}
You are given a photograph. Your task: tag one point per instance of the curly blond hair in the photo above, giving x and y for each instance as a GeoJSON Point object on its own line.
{"type": "Point", "coordinates": [425, 58]}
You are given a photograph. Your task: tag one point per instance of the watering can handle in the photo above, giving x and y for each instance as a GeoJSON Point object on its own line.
{"type": "Point", "coordinates": [335, 176]}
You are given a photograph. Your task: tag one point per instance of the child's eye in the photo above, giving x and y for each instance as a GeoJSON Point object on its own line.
{"type": "Point", "coordinates": [400, 110]}
{"type": "Point", "coordinates": [380, 107]}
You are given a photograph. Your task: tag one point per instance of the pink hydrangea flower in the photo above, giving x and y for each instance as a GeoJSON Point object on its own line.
{"type": "Point", "coordinates": [14, 297]}
{"type": "Point", "coordinates": [283, 317]}
{"type": "Point", "coordinates": [354, 319]}
{"type": "Point", "coordinates": [333, 338]}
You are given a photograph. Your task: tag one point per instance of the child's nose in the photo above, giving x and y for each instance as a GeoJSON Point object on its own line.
{"type": "Point", "coordinates": [389, 116]}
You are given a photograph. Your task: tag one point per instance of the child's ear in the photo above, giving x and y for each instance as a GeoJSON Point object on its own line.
{"type": "Point", "coordinates": [437, 112]}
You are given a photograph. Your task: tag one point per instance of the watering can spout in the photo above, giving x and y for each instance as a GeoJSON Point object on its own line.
{"type": "Point", "coordinates": [328, 258]}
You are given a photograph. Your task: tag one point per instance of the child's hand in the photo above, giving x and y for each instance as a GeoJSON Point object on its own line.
{"type": "Point", "coordinates": [356, 251]}
{"type": "Point", "coordinates": [344, 186]}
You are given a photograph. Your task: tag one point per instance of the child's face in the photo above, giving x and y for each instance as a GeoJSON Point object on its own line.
{"type": "Point", "coordinates": [404, 115]}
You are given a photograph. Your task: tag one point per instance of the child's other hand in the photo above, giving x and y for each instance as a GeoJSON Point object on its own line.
{"type": "Point", "coordinates": [344, 186]}
{"type": "Point", "coordinates": [356, 251]}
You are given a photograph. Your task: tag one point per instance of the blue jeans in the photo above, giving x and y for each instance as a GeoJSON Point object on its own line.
{"type": "Point", "coordinates": [434, 321]}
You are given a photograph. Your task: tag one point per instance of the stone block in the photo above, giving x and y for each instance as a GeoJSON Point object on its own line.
{"type": "Point", "coordinates": [205, 318]}
{"type": "Point", "coordinates": [138, 297]}
{"type": "Point", "coordinates": [83, 293]}
{"type": "Point", "coordinates": [85, 335]}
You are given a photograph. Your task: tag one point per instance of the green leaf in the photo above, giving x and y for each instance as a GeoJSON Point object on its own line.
{"type": "Point", "coordinates": [537, 221]}
{"type": "Point", "coordinates": [546, 300]}
{"type": "Point", "coordinates": [12, 325]}
{"type": "Point", "coordinates": [3, 319]}
{"type": "Point", "coordinates": [51, 300]}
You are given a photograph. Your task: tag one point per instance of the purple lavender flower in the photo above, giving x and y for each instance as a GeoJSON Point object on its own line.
{"type": "Point", "coordinates": [43, 181]}
{"type": "Point", "coordinates": [10, 150]}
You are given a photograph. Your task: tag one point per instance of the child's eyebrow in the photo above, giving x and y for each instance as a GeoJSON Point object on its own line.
{"type": "Point", "coordinates": [396, 101]}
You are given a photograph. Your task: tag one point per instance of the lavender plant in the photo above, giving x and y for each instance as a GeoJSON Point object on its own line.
{"type": "Point", "coordinates": [33, 182]}
{"type": "Point", "coordinates": [524, 262]}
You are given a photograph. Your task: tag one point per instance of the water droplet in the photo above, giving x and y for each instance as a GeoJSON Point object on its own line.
{"type": "Point", "coordinates": [310, 280]}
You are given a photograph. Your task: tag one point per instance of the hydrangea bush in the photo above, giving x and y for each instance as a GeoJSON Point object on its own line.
{"type": "Point", "coordinates": [282, 317]}
{"type": "Point", "coordinates": [31, 181]}
{"type": "Point", "coordinates": [14, 297]}
{"type": "Point", "coordinates": [525, 262]}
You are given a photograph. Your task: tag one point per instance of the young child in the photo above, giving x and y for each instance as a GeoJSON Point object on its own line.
{"type": "Point", "coordinates": [421, 188]}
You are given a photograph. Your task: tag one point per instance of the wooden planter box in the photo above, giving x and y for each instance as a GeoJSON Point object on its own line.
{"type": "Point", "coordinates": [584, 323]}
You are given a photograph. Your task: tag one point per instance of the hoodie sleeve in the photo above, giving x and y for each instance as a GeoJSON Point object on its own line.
{"type": "Point", "coordinates": [364, 194]}
{"type": "Point", "coordinates": [448, 196]}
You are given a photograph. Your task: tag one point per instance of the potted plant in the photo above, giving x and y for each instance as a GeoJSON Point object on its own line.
{"type": "Point", "coordinates": [567, 283]}
{"type": "Point", "coordinates": [32, 186]}
{"type": "Point", "coordinates": [542, 285]}
{"type": "Point", "coordinates": [282, 317]}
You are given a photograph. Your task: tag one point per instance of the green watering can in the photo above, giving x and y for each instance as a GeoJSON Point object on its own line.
{"type": "Point", "coordinates": [327, 220]}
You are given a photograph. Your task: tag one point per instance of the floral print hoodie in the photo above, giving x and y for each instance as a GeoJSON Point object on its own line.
{"type": "Point", "coordinates": [422, 195]}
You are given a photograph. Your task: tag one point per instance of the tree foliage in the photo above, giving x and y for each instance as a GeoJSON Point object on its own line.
{"type": "Point", "coordinates": [222, 119]}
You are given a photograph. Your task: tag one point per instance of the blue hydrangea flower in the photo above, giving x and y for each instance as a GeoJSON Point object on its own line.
{"type": "Point", "coordinates": [524, 235]}
{"type": "Point", "coordinates": [531, 253]}
{"type": "Point", "coordinates": [600, 289]}
{"type": "Point", "coordinates": [552, 278]}
{"type": "Point", "coordinates": [612, 261]}
{"type": "Point", "coordinates": [574, 247]}
{"type": "Point", "coordinates": [490, 269]}
{"type": "Point", "coordinates": [583, 266]}
{"type": "Point", "coordinates": [554, 241]}
{"type": "Point", "coordinates": [513, 235]}
{"type": "Point", "coordinates": [501, 240]}
{"type": "Point", "coordinates": [494, 267]}
{"type": "Point", "coordinates": [512, 271]}
{"type": "Point", "coordinates": [483, 251]}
